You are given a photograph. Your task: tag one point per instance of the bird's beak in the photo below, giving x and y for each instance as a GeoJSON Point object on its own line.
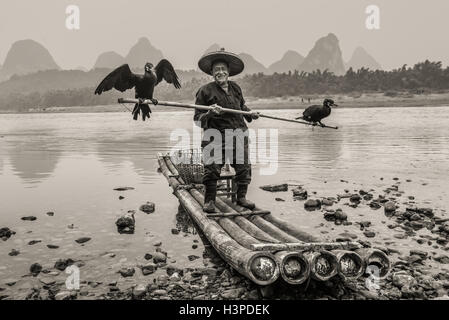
{"type": "Point", "coordinates": [335, 105]}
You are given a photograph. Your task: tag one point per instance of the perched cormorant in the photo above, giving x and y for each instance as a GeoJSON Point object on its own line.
{"type": "Point", "coordinates": [123, 79]}
{"type": "Point", "coordinates": [317, 113]}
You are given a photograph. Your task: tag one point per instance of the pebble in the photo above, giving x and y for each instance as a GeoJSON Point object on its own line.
{"type": "Point", "coordinates": [127, 272]}
{"type": "Point", "coordinates": [160, 292]}
{"type": "Point", "coordinates": [279, 199]}
{"type": "Point", "coordinates": [148, 268]}
{"type": "Point", "coordinates": [63, 295]}
{"type": "Point", "coordinates": [47, 281]}
{"type": "Point", "coordinates": [159, 257]}
{"type": "Point", "coordinates": [275, 187]}
{"type": "Point", "coordinates": [62, 264]}
{"type": "Point", "coordinates": [232, 294]}
{"type": "Point", "coordinates": [52, 246]}
{"type": "Point", "coordinates": [441, 259]}
{"type": "Point", "coordinates": [327, 202]}
{"type": "Point", "coordinates": [82, 240]}
{"type": "Point", "coordinates": [374, 205]}
{"type": "Point", "coordinates": [312, 203]}
{"type": "Point", "coordinates": [14, 253]}
{"type": "Point", "coordinates": [193, 257]}
{"type": "Point", "coordinates": [174, 231]}
{"type": "Point", "coordinates": [123, 188]}
{"type": "Point", "coordinates": [33, 242]}
{"type": "Point", "coordinates": [369, 234]}
{"type": "Point", "coordinates": [148, 256]}
{"type": "Point", "coordinates": [29, 218]}
{"type": "Point", "coordinates": [300, 194]}
{"type": "Point", "coordinates": [35, 269]}
{"type": "Point", "coordinates": [389, 207]}
{"type": "Point", "coordinates": [402, 279]}
{"type": "Point", "coordinates": [139, 291]}
{"type": "Point", "coordinates": [50, 213]}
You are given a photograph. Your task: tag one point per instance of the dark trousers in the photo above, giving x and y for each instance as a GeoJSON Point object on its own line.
{"type": "Point", "coordinates": [213, 165]}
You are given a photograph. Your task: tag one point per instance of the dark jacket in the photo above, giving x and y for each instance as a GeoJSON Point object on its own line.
{"type": "Point", "coordinates": [212, 93]}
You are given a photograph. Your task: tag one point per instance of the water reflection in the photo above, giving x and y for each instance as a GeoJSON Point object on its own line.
{"type": "Point", "coordinates": [183, 221]}
{"type": "Point", "coordinates": [33, 161]}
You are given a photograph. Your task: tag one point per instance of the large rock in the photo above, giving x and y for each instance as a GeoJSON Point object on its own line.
{"type": "Point", "coordinates": [126, 223]}
{"type": "Point", "coordinates": [6, 233]}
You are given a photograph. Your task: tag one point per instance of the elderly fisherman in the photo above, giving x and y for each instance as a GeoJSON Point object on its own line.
{"type": "Point", "coordinates": [223, 93]}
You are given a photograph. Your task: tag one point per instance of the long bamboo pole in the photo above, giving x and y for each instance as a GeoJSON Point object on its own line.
{"type": "Point", "coordinates": [207, 108]}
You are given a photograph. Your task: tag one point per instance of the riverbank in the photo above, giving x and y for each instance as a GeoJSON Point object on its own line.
{"type": "Point", "coordinates": [356, 100]}
{"type": "Point", "coordinates": [418, 270]}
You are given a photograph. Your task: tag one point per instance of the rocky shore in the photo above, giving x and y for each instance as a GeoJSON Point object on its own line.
{"type": "Point", "coordinates": [418, 272]}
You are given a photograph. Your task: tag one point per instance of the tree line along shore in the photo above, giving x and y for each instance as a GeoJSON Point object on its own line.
{"type": "Point", "coordinates": [426, 83]}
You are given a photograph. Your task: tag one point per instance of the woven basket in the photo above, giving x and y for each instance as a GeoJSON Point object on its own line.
{"type": "Point", "coordinates": [190, 168]}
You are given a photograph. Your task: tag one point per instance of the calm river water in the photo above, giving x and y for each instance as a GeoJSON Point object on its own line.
{"type": "Point", "coordinates": [70, 163]}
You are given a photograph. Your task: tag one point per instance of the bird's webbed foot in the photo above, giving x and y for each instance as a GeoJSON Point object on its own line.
{"type": "Point", "coordinates": [136, 111]}
{"type": "Point", "coordinates": [155, 102]}
{"type": "Point", "coordinates": [145, 111]}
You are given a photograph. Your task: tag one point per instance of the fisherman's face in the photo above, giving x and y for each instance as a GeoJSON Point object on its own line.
{"type": "Point", "coordinates": [220, 72]}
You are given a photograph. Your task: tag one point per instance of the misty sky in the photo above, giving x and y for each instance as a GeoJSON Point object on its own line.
{"type": "Point", "coordinates": [411, 31]}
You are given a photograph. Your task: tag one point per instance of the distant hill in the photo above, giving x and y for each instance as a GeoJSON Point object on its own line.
{"type": "Point", "coordinates": [109, 59]}
{"type": "Point", "coordinates": [326, 54]}
{"type": "Point", "coordinates": [143, 51]}
{"type": "Point", "coordinates": [27, 56]}
{"type": "Point", "coordinates": [212, 48]}
{"type": "Point", "coordinates": [252, 65]}
{"type": "Point", "coordinates": [361, 58]}
{"type": "Point", "coordinates": [50, 80]}
{"type": "Point", "coordinates": [289, 62]}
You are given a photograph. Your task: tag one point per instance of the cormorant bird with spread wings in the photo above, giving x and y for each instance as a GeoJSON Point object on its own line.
{"type": "Point", "coordinates": [123, 79]}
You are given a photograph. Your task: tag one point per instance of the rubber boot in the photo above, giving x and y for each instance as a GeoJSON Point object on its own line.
{"type": "Point", "coordinates": [209, 196]}
{"type": "Point", "coordinates": [242, 189]}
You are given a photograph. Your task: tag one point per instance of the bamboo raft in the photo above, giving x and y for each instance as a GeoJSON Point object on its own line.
{"type": "Point", "coordinates": [259, 245]}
